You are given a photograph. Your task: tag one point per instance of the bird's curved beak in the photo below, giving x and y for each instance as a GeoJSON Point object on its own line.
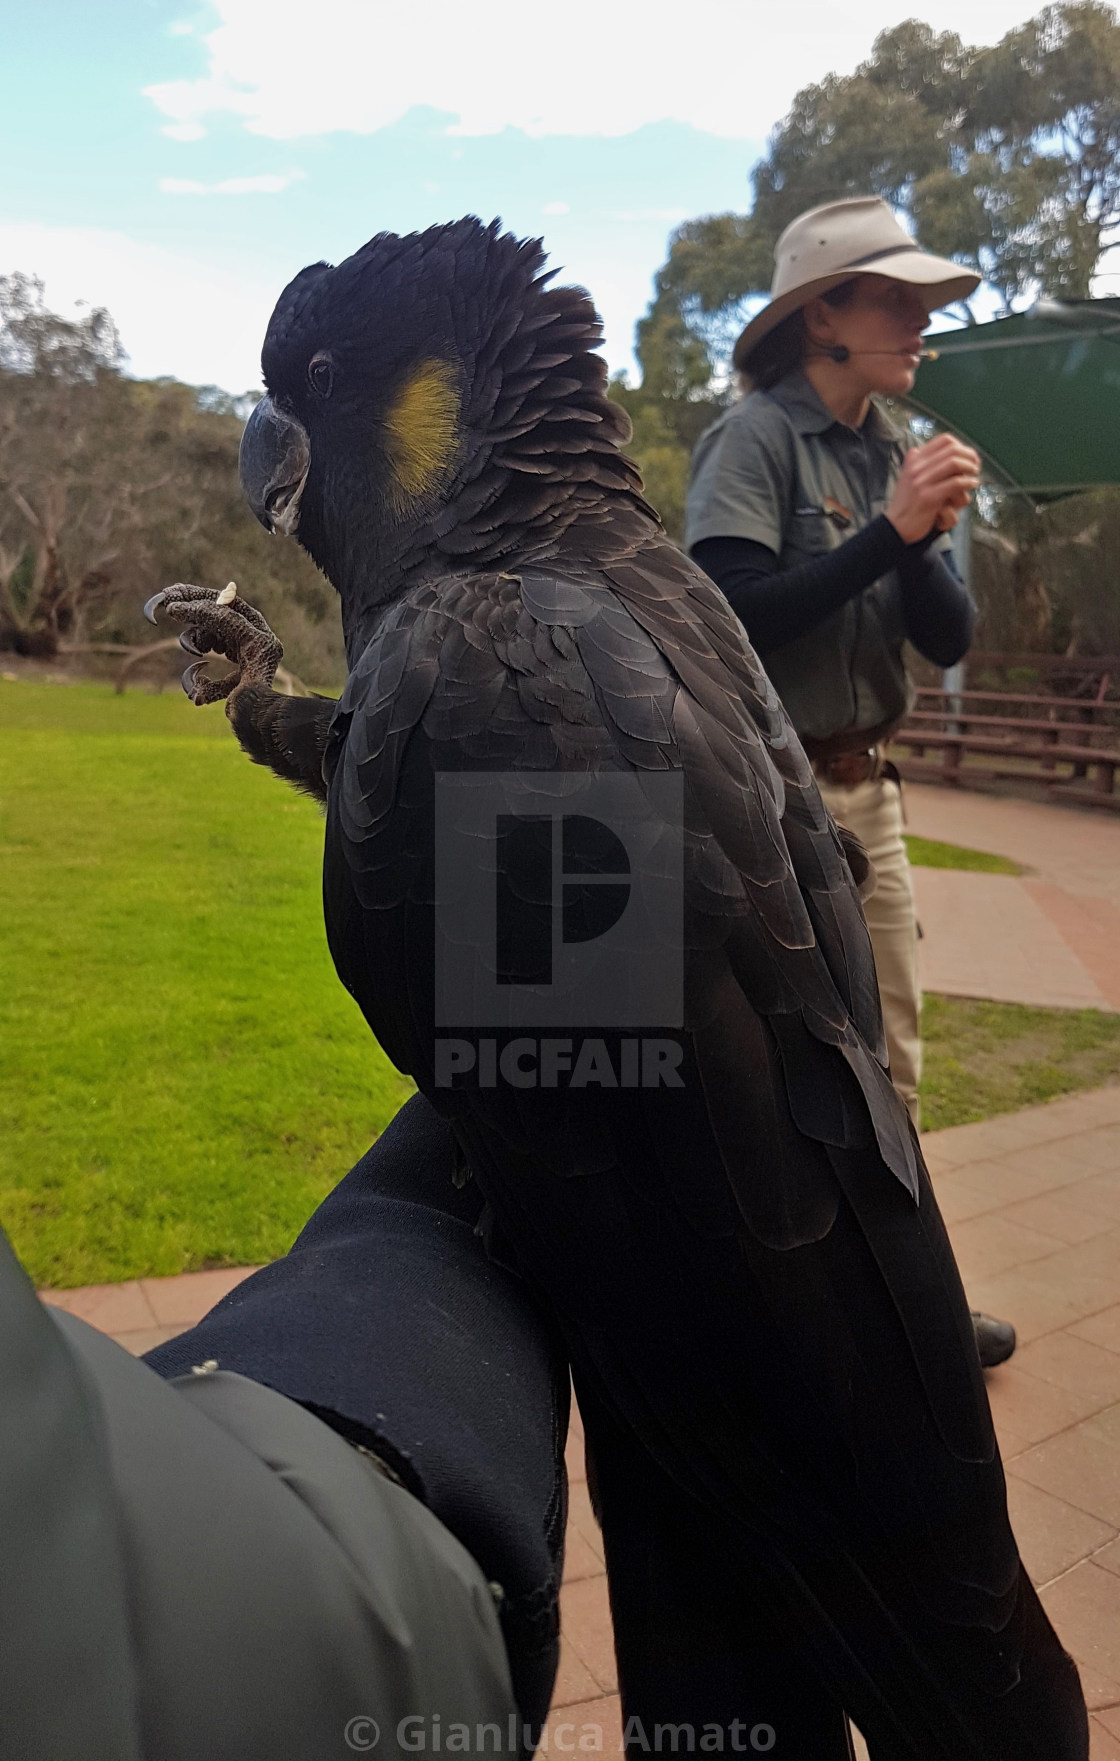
{"type": "Point", "coordinates": [274, 462]}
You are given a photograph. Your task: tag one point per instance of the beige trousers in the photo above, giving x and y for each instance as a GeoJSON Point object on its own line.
{"type": "Point", "coordinates": [873, 811]}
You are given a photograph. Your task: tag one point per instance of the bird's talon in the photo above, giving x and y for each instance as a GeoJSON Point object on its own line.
{"type": "Point", "coordinates": [151, 605]}
{"type": "Point", "coordinates": [188, 644]}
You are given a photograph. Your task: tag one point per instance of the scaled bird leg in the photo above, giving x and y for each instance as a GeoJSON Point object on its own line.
{"type": "Point", "coordinates": [214, 625]}
{"type": "Point", "coordinates": [288, 734]}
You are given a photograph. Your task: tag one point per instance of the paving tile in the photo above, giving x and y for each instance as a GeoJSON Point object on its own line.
{"type": "Point", "coordinates": [113, 1308]}
{"type": "Point", "coordinates": [1027, 1410]}
{"type": "Point", "coordinates": [592, 1727]}
{"type": "Point", "coordinates": [1012, 1134]}
{"type": "Point", "coordinates": [1109, 1716]}
{"type": "Point", "coordinates": [936, 1162]}
{"type": "Point", "coordinates": [1026, 1173]}
{"type": "Point", "coordinates": [1050, 1293]}
{"type": "Point", "coordinates": [948, 1148]}
{"type": "Point", "coordinates": [1075, 848]}
{"type": "Point", "coordinates": [574, 1681]}
{"type": "Point", "coordinates": [1100, 1193]}
{"type": "Point", "coordinates": [1106, 1424]}
{"type": "Point", "coordinates": [1101, 1146]}
{"type": "Point", "coordinates": [1073, 1364]}
{"type": "Point", "coordinates": [580, 1558]}
{"type": "Point", "coordinates": [1102, 1104]}
{"type": "Point", "coordinates": [581, 1519]}
{"type": "Point", "coordinates": [1061, 1162]}
{"type": "Point", "coordinates": [1090, 928]}
{"type": "Point", "coordinates": [1100, 1329]}
{"type": "Point", "coordinates": [989, 1244]}
{"type": "Point", "coordinates": [575, 1458]}
{"type": "Point", "coordinates": [1082, 1467]}
{"type": "Point", "coordinates": [1108, 1558]}
{"type": "Point", "coordinates": [1058, 1214]}
{"type": "Point", "coordinates": [986, 936]}
{"type": "Point", "coordinates": [964, 1195]}
{"type": "Point", "coordinates": [1084, 1606]}
{"type": "Point", "coordinates": [1052, 1535]}
{"type": "Point", "coordinates": [1098, 1689]}
{"type": "Point", "coordinates": [1103, 1745]}
{"type": "Point", "coordinates": [860, 1746]}
{"type": "Point", "coordinates": [1060, 1118]}
{"type": "Point", "coordinates": [182, 1301]}
{"type": "Point", "coordinates": [585, 1617]}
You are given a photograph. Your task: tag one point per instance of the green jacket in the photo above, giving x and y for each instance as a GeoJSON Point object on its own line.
{"type": "Point", "coordinates": [778, 468]}
{"type": "Point", "coordinates": [200, 1568]}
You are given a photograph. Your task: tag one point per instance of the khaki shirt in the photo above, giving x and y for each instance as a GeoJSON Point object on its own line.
{"type": "Point", "coordinates": [779, 468]}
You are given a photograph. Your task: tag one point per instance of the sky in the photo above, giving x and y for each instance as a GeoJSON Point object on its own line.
{"type": "Point", "coordinates": [179, 163]}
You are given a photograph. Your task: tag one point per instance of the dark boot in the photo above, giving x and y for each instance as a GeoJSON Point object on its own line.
{"type": "Point", "coordinates": [995, 1340]}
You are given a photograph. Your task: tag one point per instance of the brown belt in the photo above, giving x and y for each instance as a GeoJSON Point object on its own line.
{"type": "Point", "coordinates": [848, 769]}
{"type": "Point", "coordinates": [848, 759]}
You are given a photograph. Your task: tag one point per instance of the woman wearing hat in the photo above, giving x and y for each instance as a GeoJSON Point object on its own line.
{"type": "Point", "coordinates": [827, 532]}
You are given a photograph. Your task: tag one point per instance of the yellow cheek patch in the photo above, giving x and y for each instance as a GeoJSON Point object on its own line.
{"type": "Point", "coordinates": [423, 430]}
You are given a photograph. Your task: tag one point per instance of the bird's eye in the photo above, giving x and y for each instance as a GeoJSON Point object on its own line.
{"type": "Point", "coordinates": [321, 375]}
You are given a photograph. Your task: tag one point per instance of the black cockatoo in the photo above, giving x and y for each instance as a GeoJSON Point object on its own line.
{"type": "Point", "coordinates": [739, 1238]}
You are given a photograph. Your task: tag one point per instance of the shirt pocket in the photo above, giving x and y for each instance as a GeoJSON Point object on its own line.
{"type": "Point", "coordinates": [810, 533]}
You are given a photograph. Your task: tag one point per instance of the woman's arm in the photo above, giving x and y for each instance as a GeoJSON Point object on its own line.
{"type": "Point", "coordinates": [937, 608]}
{"type": "Point", "coordinates": [776, 607]}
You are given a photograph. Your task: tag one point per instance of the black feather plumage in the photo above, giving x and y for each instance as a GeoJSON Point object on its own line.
{"type": "Point", "coordinates": [750, 1269]}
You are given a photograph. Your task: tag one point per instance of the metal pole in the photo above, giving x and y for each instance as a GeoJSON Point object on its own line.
{"type": "Point", "coordinates": [952, 679]}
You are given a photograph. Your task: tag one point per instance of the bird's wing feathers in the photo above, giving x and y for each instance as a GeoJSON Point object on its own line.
{"type": "Point", "coordinates": [641, 670]}
{"type": "Point", "coordinates": [777, 1156]}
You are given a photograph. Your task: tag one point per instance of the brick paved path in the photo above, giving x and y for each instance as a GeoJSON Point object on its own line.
{"type": "Point", "coordinates": [1033, 1204]}
{"type": "Point", "coordinates": [1051, 936]}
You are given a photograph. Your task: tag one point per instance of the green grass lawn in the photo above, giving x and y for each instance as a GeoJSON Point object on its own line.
{"type": "Point", "coordinates": [182, 1076]}
{"type": "Point", "coordinates": [929, 853]}
{"type": "Point", "coordinates": [987, 1058]}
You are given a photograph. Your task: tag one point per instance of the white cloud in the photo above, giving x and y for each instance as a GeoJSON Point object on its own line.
{"type": "Point", "coordinates": [269, 185]}
{"type": "Point", "coordinates": [176, 315]}
{"type": "Point", "coordinates": [557, 208]}
{"type": "Point", "coordinates": [503, 64]}
{"type": "Point", "coordinates": [184, 131]}
{"type": "Point", "coordinates": [205, 324]}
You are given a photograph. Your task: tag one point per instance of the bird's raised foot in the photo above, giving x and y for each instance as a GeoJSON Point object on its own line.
{"type": "Point", "coordinates": [219, 623]}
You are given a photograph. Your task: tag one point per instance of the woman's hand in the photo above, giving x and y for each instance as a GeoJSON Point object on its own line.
{"type": "Point", "coordinates": [937, 481]}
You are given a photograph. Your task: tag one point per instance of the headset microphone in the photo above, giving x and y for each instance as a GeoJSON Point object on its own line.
{"type": "Point", "coordinates": [840, 354]}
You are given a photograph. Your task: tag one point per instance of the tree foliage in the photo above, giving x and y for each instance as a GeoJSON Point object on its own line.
{"type": "Point", "coordinates": [111, 487]}
{"type": "Point", "coordinates": [1006, 158]}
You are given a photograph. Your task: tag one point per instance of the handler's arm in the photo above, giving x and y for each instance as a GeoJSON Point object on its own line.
{"type": "Point", "coordinates": [777, 607]}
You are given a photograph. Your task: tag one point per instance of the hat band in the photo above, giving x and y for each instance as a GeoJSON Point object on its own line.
{"type": "Point", "coordinates": [877, 256]}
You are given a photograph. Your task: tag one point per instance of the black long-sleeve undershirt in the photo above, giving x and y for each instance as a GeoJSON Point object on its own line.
{"type": "Point", "coordinates": [775, 608]}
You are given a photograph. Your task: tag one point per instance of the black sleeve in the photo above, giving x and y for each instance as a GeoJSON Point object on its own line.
{"type": "Point", "coordinates": [937, 608]}
{"type": "Point", "coordinates": [778, 607]}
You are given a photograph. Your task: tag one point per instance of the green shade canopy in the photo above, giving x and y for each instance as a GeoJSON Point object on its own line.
{"type": "Point", "coordinates": [1037, 395]}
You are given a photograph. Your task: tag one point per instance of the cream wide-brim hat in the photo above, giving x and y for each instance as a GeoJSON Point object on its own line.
{"type": "Point", "coordinates": [828, 245]}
